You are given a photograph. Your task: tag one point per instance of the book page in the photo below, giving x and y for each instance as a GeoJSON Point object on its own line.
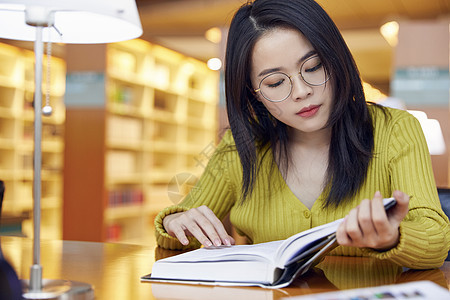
{"type": "Point", "coordinates": [250, 272]}
{"type": "Point", "coordinates": [302, 241]}
{"type": "Point", "coordinates": [257, 252]}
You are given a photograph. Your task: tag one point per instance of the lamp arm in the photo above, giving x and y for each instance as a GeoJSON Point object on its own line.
{"type": "Point", "coordinates": [36, 268]}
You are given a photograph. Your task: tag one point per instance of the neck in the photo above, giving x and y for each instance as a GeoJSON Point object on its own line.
{"type": "Point", "coordinates": [316, 139]}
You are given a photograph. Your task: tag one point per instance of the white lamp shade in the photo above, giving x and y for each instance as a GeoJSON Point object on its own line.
{"type": "Point", "coordinates": [432, 131]}
{"type": "Point", "coordinates": [75, 21]}
{"type": "Point", "coordinates": [433, 134]}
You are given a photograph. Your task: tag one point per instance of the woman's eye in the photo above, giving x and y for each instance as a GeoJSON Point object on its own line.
{"type": "Point", "coordinates": [315, 68]}
{"type": "Point", "coordinates": [275, 84]}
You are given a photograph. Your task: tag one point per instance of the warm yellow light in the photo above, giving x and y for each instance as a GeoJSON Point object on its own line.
{"type": "Point", "coordinates": [214, 63]}
{"type": "Point", "coordinates": [389, 31]}
{"type": "Point", "coordinates": [214, 35]}
{"type": "Point", "coordinates": [187, 69]}
{"type": "Point", "coordinates": [372, 94]}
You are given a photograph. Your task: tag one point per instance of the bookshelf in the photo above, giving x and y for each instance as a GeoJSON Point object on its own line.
{"type": "Point", "coordinates": [16, 139]}
{"type": "Point", "coordinates": [157, 114]}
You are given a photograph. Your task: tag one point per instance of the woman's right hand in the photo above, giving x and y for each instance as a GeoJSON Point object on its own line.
{"type": "Point", "coordinates": [199, 222]}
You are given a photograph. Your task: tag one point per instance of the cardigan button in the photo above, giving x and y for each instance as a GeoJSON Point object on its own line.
{"type": "Point", "coordinates": [307, 214]}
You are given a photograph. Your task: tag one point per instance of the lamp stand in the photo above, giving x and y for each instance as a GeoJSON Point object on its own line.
{"type": "Point", "coordinates": [36, 287]}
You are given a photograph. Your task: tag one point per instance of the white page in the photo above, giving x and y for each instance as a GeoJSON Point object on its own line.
{"type": "Point", "coordinates": [264, 251]}
{"type": "Point", "coordinates": [221, 271]}
{"type": "Point", "coordinates": [302, 241]}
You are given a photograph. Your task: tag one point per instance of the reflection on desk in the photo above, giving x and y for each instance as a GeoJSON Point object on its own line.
{"type": "Point", "coordinates": [114, 271]}
{"type": "Point", "coordinates": [333, 273]}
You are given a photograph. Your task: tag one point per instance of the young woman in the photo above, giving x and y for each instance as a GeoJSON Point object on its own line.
{"type": "Point", "coordinates": [305, 149]}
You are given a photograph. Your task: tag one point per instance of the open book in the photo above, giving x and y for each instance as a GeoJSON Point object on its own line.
{"type": "Point", "coordinates": [271, 265]}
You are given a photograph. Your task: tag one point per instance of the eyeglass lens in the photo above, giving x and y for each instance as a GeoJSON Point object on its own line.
{"type": "Point", "coordinates": [278, 86]}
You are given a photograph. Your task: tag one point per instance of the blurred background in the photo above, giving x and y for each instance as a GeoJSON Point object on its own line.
{"type": "Point", "coordinates": [135, 122]}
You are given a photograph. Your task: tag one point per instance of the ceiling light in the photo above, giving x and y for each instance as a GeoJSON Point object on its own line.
{"type": "Point", "coordinates": [214, 63]}
{"type": "Point", "coordinates": [214, 35]}
{"type": "Point", "coordinates": [389, 31]}
{"type": "Point", "coordinates": [372, 94]}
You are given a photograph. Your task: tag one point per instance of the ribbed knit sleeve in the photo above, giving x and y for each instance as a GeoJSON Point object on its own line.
{"type": "Point", "coordinates": [214, 189]}
{"type": "Point", "coordinates": [424, 233]}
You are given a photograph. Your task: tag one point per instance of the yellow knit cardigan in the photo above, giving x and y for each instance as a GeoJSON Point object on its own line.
{"type": "Point", "coordinates": [273, 212]}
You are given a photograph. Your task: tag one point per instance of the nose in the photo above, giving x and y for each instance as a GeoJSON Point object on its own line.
{"type": "Point", "coordinates": [300, 89]}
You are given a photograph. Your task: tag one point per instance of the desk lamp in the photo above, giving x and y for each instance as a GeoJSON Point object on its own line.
{"type": "Point", "coordinates": [61, 21]}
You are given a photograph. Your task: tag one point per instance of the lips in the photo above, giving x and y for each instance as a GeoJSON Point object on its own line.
{"type": "Point", "coordinates": [308, 111]}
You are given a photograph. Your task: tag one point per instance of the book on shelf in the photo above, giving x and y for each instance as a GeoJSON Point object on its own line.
{"type": "Point", "coordinates": [125, 197]}
{"type": "Point", "coordinates": [271, 265]}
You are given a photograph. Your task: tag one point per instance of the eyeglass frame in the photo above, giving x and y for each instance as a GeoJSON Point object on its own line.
{"type": "Point", "coordinates": [290, 81]}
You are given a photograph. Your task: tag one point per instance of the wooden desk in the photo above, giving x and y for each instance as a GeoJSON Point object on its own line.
{"type": "Point", "coordinates": [114, 271]}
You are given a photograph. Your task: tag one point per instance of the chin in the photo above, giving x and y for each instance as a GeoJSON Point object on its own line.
{"type": "Point", "coordinates": [311, 128]}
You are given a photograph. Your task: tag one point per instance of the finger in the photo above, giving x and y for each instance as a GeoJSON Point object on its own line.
{"type": "Point", "coordinates": [223, 236]}
{"type": "Point", "coordinates": [341, 235]}
{"type": "Point", "coordinates": [365, 219]}
{"type": "Point", "coordinates": [204, 230]}
{"type": "Point", "coordinates": [198, 233]}
{"type": "Point", "coordinates": [180, 234]}
{"type": "Point", "coordinates": [399, 211]}
{"type": "Point", "coordinates": [387, 233]}
{"type": "Point", "coordinates": [379, 217]}
{"type": "Point", "coordinates": [352, 227]}
{"type": "Point", "coordinates": [190, 222]}
{"type": "Point", "coordinates": [173, 228]}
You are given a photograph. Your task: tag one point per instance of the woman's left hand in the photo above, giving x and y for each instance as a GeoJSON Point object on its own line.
{"type": "Point", "coordinates": [368, 224]}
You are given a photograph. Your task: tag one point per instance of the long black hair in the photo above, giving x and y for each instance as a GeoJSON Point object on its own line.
{"type": "Point", "coordinates": [253, 127]}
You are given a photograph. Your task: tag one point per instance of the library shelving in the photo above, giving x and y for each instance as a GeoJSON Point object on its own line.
{"type": "Point", "coordinates": [138, 149]}
{"type": "Point", "coordinates": [16, 138]}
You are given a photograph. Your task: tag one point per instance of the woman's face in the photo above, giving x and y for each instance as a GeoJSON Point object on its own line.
{"type": "Point", "coordinates": [307, 108]}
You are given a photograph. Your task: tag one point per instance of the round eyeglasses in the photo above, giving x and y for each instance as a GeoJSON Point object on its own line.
{"type": "Point", "coordinates": [277, 86]}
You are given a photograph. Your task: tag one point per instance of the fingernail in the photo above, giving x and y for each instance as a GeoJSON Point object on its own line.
{"type": "Point", "coordinates": [207, 243]}
{"type": "Point", "coordinates": [227, 242]}
{"type": "Point", "coordinates": [217, 242]}
{"type": "Point", "coordinates": [185, 241]}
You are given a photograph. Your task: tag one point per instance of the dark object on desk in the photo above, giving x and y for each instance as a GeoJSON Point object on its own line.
{"type": "Point", "coordinates": [2, 193]}
{"type": "Point", "coordinates": [11, 224]}
{"type": "Point", "coordinates": [10, 287]}
{"type": "Point", "coordinates": [444, 197]}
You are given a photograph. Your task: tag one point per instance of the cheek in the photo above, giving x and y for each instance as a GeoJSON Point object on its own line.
{"type": "Point", "coordinates": [275, 109]}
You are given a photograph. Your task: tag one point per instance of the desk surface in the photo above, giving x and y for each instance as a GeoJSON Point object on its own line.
{"type": "Point", "coordinates": [114, 271]}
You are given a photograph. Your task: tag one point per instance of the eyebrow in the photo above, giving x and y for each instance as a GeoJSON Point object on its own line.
{"type": "Point", "coordinates": [271, 70]}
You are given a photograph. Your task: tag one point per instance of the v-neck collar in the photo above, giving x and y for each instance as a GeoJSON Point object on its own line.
{"type": "Point", "coordinates": [292, 197]}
